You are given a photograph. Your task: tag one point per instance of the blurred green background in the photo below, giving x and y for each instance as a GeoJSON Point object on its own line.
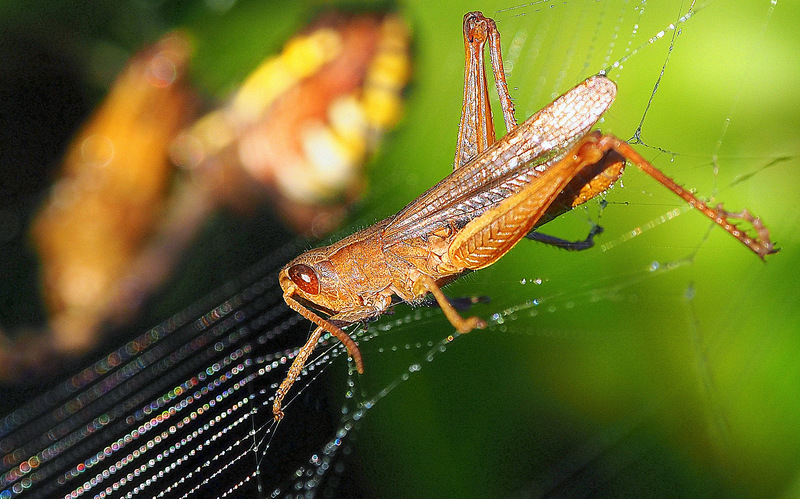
{"type": "Point", "coordinates": [663, 364]}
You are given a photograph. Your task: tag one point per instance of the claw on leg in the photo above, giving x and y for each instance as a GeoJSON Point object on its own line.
{"type": "Point", "coordinates": [426, 283]}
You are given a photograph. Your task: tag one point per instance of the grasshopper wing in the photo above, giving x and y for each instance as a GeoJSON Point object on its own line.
{"type": "Point", "coordinates": [488, 237]}
{"type": "Point", "coordinates": [508, 166]}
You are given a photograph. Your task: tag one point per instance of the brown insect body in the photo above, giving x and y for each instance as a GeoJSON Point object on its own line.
{"type": "Point", "coordinates": [498, 192]}
{"type": "Point", "coordinates": [352, 274]}
{"type": "Point", "coordinates": [359, 274]}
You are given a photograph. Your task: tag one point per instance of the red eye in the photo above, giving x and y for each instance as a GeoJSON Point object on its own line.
{"type": "Point", "coordinates": [305, 278]}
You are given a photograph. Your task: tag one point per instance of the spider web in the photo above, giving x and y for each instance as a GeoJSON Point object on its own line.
{"type": "Point", "coordinates": [659, 362]}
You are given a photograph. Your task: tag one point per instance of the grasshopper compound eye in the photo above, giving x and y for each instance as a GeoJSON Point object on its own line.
{"type": "Point", "coordinates": [305, 278]}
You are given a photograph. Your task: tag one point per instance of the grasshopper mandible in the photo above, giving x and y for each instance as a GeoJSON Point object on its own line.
{"type": "Point", "coordinates": [497, 194]}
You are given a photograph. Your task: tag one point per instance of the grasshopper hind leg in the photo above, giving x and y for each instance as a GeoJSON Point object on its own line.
{"type": "Point", "coordinates": [584, 244]}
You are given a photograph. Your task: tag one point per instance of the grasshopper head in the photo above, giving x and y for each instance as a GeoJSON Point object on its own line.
{"type": "Point", "coordinates": [313, 282]}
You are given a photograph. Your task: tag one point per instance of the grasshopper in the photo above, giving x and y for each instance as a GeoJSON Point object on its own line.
{"type": "Point", "coordinates": [499, 192]}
